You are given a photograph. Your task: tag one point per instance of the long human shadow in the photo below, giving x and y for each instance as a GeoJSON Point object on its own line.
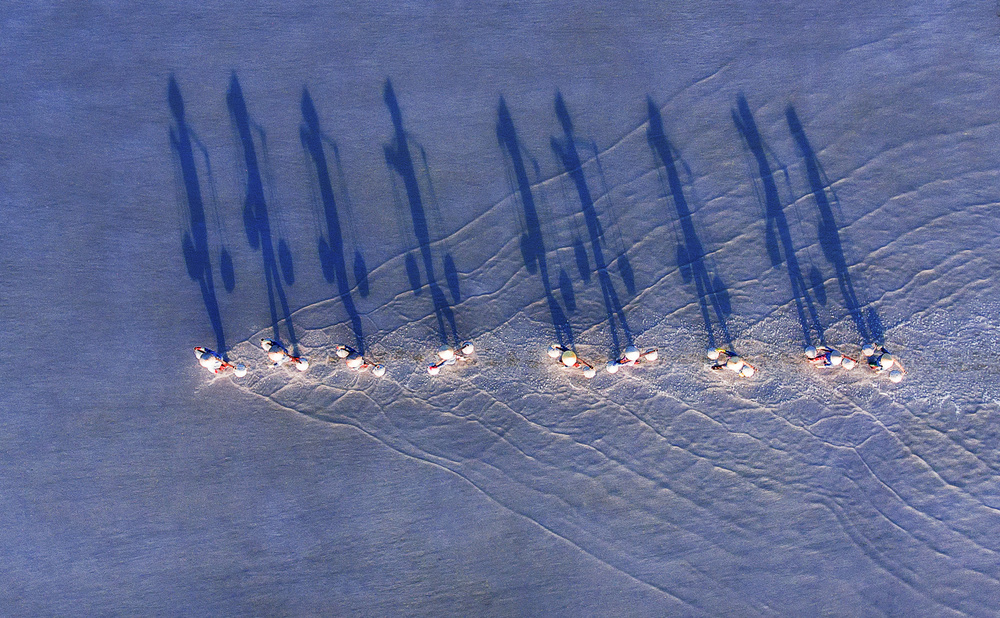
{"type": "Point", "coordinates": [829, 237]}
{"type": "Point", "coordinates": [532, 242]}
{"type": "Point", "coordinates": [624, 264]}
{"type": "Point", "coordinates": [777, 236]}
{"type": "Point", "coordinates": [331, 249]}
{"type": "Point", "coordinates": [226, 270]}
{"type": "Point", "coordinates": [567, 154]}
{"type": "Point", "coordinates": [451, 276]}
{"type": "Point", "coordinates": [360, 267]}
{"type": "Point", "coordinates": [255, 217]}
{"type": "Point", "coordinates": [398, 158]}
{"type": "Point", "coordinates": [712, 295]}
{"type": "Point", "coordinates": [195, 243]}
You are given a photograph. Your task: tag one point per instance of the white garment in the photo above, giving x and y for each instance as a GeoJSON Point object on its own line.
{"type": "Point", "coordinates": [211, 362]}
{"type": "Point", "coordinates": [278, 355]}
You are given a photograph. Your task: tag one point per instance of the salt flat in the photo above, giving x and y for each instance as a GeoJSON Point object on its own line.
{"type": "Point", "coordinates": [673, 176]}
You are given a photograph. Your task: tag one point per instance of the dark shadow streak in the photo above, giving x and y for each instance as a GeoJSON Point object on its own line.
{"type": "Point", "coordinates": [691, 255]}
{"type": "Point", "coordinates": [570, 159]}
{"type": "Point", "coordinates": [397, 157]}
{"type": "Point", "coordinates": [255, 216]}
{"type": "Point", "coordinates": [532, 243]}
{"type": "Point", "coordinates": [332, 254]}
{"type": "Point", "coordinates": [829, 237]}
{"type": "Point", "coordinates": [195, 244]}
{"type": "Point", "coordinates": [284, 252]}
{"type": "Point", "coordinates": [624, 265]}
{"type": "Point", "coordinates": [451, 277]}
{"type": "Point", "coordinates": [361, 273]}
{"type": "Point", "coordinates": [566, 290]}
{"type": "Point", "coordinates": [450, 271]}
{"type": "Point", "coordinates": [226, 269]}
{"type": "Point", "coordinates": [360, 268]}
{"type": "Point", "coordinates": [776, 223]}
{"type": "Point", "coordinates": [582, 261]}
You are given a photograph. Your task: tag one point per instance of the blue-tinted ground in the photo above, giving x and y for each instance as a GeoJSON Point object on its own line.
{"type": "Point", "coordinates": [755, 178]}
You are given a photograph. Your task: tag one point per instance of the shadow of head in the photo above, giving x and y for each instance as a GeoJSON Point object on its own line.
{"type": "Point", "coordinates": [505, 126]}
{"type": "Point", "coordinates": [175, 100]}
{"type": "Point", "coordinates": [563, 114]}
{"type": "Point", "coordinates": [235, 101]}
{"type": "Point", "coordinates": [389, 97]}
{"type": "Point", "coordinates": [795, 126]}
{"type": "Point", "coordinates": [309, 114]}
{"type": "Point", "coordinates": [655, 129]}
{"type": "Point", "coordinates": [745, 122]}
